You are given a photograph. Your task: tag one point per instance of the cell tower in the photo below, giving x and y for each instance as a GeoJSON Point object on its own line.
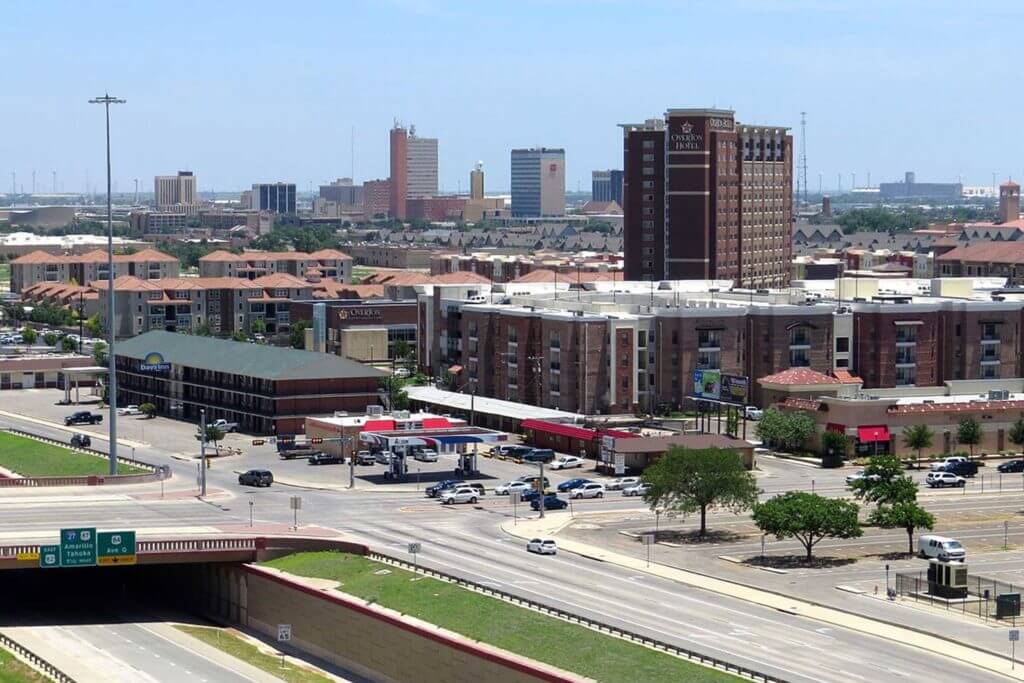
{"type": "Point", "coordinates": [802, 164]}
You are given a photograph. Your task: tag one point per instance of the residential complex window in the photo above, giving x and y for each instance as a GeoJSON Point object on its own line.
{"type": "Point", "coordinates": [799, 358]}
{"type": "Point", "coordinates": [906, 376]}
{"type": "Point", "coordinates": [842, 344]}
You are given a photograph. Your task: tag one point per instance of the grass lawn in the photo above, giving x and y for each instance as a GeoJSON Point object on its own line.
{"type": "Point", "coordinates": [31, 458]}
{"type": "Point", "coordinates": [516, 629]}
{"type": "Point", "coordinates": [15, 671]}
{"type": "Point", "coordinates": [228, 642]}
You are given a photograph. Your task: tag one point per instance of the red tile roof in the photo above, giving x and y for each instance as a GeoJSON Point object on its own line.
{"type": "Point", "coordinates": [987, 252]}
{"type": "Point", "coordinates": [801, 403]}
{"type": "Point", "coordinates": [846, 377]}
{"type": "Point", "coordinates": [798, 377]}
{"type": "Point", "coordinates": [958, 407]}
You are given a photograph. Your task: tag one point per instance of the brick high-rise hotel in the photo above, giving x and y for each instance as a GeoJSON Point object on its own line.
{"type": "Point", "coordinates": [705, 197]}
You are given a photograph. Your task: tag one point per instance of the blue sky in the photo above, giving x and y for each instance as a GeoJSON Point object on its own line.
{"type": "Point", "coordinates": [259, 91]}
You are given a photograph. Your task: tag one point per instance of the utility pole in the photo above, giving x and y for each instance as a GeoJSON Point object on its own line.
{"type": "Point", "coordinates": [540, 487]}
{"type": "Point", "coordinates": [802, 180]}
{"type": "Point", "coordinates": [202, 452]}
{"type": "Point", "coordinates": [54, 187]}
{"type": "Point", "coordinates": [106, 100]}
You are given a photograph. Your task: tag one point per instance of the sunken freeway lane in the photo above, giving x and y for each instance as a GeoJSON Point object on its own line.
{"type": "Point", "coordinates": [467, 542]}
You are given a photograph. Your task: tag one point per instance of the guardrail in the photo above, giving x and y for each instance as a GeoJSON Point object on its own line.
{"type": "Point", "coordinates": [37, 662]}
{"type": "Point", "coordinates": [584, 621]}
{"type": "Point", "coordinates": [143, 546]}
{"type": "Point", "coordinates": [156, 472]}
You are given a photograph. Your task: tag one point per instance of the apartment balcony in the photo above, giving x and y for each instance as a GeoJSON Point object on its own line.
{"type": "Point", "coordinates": [990, 339]}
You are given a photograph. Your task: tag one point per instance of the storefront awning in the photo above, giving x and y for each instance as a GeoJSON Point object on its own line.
{"type": "Point", "coordinates": [873, 434]}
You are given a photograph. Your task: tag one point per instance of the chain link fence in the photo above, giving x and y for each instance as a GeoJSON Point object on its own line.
{"type": "Point", "coordinates": [983, 598]}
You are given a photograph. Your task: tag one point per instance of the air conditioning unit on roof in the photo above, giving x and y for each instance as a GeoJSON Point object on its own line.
{"type": "Point", "coordinates": [375, 411]}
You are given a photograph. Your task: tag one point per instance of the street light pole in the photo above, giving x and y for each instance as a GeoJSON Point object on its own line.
{"type": "Point", "coordinates": [202, 452]}
{"type": "Point", "coordinates": [106, 100]}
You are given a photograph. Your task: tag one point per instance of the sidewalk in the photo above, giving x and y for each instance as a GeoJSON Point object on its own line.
{"type": "Point", "coordinates": [553, 523]}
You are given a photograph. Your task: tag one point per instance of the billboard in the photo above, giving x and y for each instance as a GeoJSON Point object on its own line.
{"type": "Point", "coordinates": [735, 389]}
{"type": "Point", "coordinates": [707, 384]}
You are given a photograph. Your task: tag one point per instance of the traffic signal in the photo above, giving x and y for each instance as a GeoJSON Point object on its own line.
{"type": "Point", "coordinates": [316, 439]}
{"type": "Point", "coordinates": [258, 442]}
{"type": "Point", "coordinates": [286, 439]}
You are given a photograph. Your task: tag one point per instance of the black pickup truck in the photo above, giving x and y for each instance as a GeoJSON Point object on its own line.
{"type": "Point", "coordinates": [82, 417]}
{"type": "Point", "coordinates": [961, 468]}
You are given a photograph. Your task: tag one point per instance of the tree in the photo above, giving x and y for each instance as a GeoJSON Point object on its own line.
{"type": "Point", "coordinates": [969, 432]}
{"type": "Point", "coordinates": [203, 330]}
{"type": "Point", "coordinates": [403, 349]}
{"type": "Point", "coordinates": [394, 388]}
{"type": "Point", "coordinates": [688, 480]}
{"type": "Point", "coordinates": [68, 345]}
{"type": "Point", "coordinates": [93, 325]}
{"type": "Point", "coordinates": [29, 335]}
{"type": "Point", "coordinates": [297, 334]}
{"type": "Point", "coordinates": [214, 435]}
{"type": "Point", "coordinates": [147, 409]}
{"type": "Point", "coordinates": [808, 518]}
{"type": "Point", "coordinates": [99, 353]}
{"type": "Point", "coordinates": [884, 481]}
{"type": "Point", "coordinates": [50, 338]}
{"type": "Point", "coordinates": [835, 443]}
{"type": "Point", "coordinates": [258, 326]}
{"type": "Point", "coordinates": [1017, 434]}
{"type": "Point", "coordinates": [785, 429]}
{"type": "Point", "coordinates": [732, 422]}
{"type": "Point", "coordinates": [239, 336]}
{"type": "Point", "coordinates": [907, 515]}
{"type": "Point", "coordinates": [918, 437]}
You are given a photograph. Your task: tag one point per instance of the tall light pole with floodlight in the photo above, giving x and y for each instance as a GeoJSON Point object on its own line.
{"type": "Point", "coordinates": [106, 100]}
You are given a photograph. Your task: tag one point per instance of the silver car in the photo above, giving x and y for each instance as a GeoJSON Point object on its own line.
{"type": "Point", "coordinates": [623, 483]}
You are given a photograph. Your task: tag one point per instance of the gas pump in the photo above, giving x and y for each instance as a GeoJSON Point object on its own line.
{"type": "Point", "coordinates": [467, 463]}
{"type": "Point", "coordinates": [397, 465]}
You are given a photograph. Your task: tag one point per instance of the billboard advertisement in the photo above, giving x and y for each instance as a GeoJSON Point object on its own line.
{"type": "Point", "coordinates": [735, 389]}
{"type": "Point", "coordinates": [707, 384]}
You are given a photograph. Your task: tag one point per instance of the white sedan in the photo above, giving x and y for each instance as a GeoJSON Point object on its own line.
{"type": "Point", "coordinates": [567, 462]}
{"type": "Point", "coordinates": [636, 490]}
{"type": "Point", "coordinates": [129, 410]}
{"type": "Point", "coordinates": [509, 486]}
{"type": "Point", "coordinates": [542, 546]}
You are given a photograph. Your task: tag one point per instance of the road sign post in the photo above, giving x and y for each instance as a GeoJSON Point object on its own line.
{"type": "Point", "coordinates": [49, 556]}
{"type": "Point", "coordinates": [648, 542]}
{"type": "Point", "coordinates": [1014, 637]}
{"type": "Point", "coordinates": [116, 547]}
{"type": "Point", "coordinates": [295, 502]}
{"type": "Point", "coordinates": [414, 549]}
{"type": "Point", "coordinates": [78, 547]}
{"type": "Point", "coordinates": [514, 498]}
{"type": "Point", "coordinates": [284, 635]}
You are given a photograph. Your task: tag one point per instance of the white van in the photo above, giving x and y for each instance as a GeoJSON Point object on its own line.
{"type": "Point", "coordinates": [941, 548]}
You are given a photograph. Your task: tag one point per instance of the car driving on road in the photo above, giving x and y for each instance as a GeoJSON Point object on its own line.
{"type": "Point", "coordinates": [542, 546]}
{"type": "Point", "coordinates": [324, 459]}
{"type": "Point", "coordinates": [571, 484]}
{"type": "Point", "coordinates": [256, 478]}
{"type": "Point", "coordinates": [938, 466]}
{"type": "Point", "coordinates": [365, 458]}
{"type": "Point", "coordinates": [1011, 466]}
{"type": "Point", "coordinates": [860, 474]}
{"type": "Point", "coordinates": [588, 490]}
{"type": "Point", "coordinates": [82, 417]}
{"type": "Point", "coordinates": [551, 502]}
{"type": "Point", "coordinates": [640, 489]}
{"type": "Point", "coordinates": [509, 486]}
{"type": "Point", "coordinates": [621, 483]}
{"type": "Point", "coordinates": [443, 485]}
{"type": "Point", "coordinates": [461, 494]}
{"type": "Point", "coordinates": [943, 479]}
{"type": "Point", "coordinates": [129, 410]}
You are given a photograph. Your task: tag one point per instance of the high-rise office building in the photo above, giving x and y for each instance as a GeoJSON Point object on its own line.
{"type": "Point", "coordinates": [707, 198]}
{"type": "Point", "coordinates": [274, 197]}
{"type": "Point", "coordinates": [413, 168]}
{"type": "Point", "coordinates": [476, 181]}
{"type": "Point", "coordinates": [342, 191]}
{"type": "Point", "coordinates": [606, 186]}
{"type": "Point", "coordinates": [399, 171]}
{"type": "Point", "coordinates": [176, 192]}
{"type": "Point", "coordinates": [538, 182]}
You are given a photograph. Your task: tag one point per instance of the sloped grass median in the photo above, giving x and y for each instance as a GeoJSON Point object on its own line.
{"type": "Point", "coordinates": [239, 648]}
{"type": "Point", "coordinates": [13, 670]}
{"type": "Point", "coordinates": [546, 639]}
{"type": "Point", "coordinates": [31, 458]}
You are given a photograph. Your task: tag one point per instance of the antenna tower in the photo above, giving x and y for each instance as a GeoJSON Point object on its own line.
{"type": "Point", "coordinates": [802, 166]}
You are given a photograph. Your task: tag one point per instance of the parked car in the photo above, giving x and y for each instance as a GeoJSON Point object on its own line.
{"type": "Point", "coordinates": [570, 484]}
{"type": "Point", "coordinates": [539, 455]}
{"type": "Point", "coordinates": [224, 426]}
{"type": "Point", "coordinates": [940, 547]}
{"type": "Point", "coordinates": [621, 483]}
{"type": "Point", "coordinates": [425, 455]}
{"type": "Point", "coordinates": [129, 410]}
{"type": "Point", "coordinates": [752, 413]}
{"type": "Point", "coordinates": [943, 479]}
{"type": "Point", "coordinates": [256, 478]}
{"type": "Point", "coordinates": [589, 490]}
{"type": "Point", "coordinates": [460, 494]}
{"type": "Point", "coordinates": [551, 502]}
{"type": "Point", "coordinates": [401, 373]}
{"type": "Point", "coordinates": [568, 462]}
{"type": "Point", "coordinates": [859, 474]}
{"type": "Point", "coordinates": [325, 459]}
{"type": "Point", "coordinates": [383, 457]}
{"type": "Point", "coordinates": [1011, 466]}
{"type": "Point", "coordinates": [640, 489]}
{"type": "Point", "coordinates": [83, 417]}
{"type": "Point", "coordinates": [365, 458]}
{"type": "Point", "coordinates": [542, 546]}
{"type": "Point", "coordinates": [509, 486]}
{"type": "Point", "coordinates": [81, 441]}
{"type": "Point", "coordinates": [962, 467]}
{"type": "Point", "coordinates": [939, 466]}
{"type": "Point", "coordinates": [435, 490]}
{"type": "Point", "coordinates": [531, 494]}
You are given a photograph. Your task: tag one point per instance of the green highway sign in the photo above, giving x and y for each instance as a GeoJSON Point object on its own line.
{"type": "Point", "coordinates": [49, 556]}
{"type": "Point", "coordinates": [115, 547]}
{"type": "Point", "coordinates": [78, 547]}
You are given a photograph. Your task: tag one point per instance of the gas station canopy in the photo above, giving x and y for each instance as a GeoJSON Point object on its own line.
{"type": "Point", "coordinates": [438, 439]}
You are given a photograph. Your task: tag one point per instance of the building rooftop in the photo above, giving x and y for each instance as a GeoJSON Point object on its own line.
{"type": "Point", "coordinates": [798, 377]}
{"type": "Point", "coordinates": [488, 406]}
{"type": "Point", "coordinates": [238, 358]}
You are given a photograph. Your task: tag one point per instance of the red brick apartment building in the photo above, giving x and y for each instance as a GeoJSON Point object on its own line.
{"type": "Point", "coordinates": [594, 355]}
{"type": "Point", "coordinates": [705, 197]}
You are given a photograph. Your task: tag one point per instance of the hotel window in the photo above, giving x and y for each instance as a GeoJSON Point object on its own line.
{"type": "Point", "coordinates": [799, 358]}
{"type": "Point", "coordinates": [990, 371]}
{"type": "Point", "coordinates": [648, 157]}
{"type": "Point", "coordinates": [648, 144]}
{"type": "Point", "coordinates": [648, 170]}
{"type": "Point", "coordinates": [906, 376]}
{"type": "Point", "coordinates": [648, 265]}
{"type": "Point", "coordinates": [648, 184]}
{"type": "Point", "coordinates": [648, 197]}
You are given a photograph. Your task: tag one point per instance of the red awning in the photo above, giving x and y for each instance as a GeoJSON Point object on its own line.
{"type": "Point", "coordinates": [873, 434]}
{"type": "Point", "coordinates": [378, 426]}
{"type": "Point", "coordinates": [835, 427]}
{"type": "Point", "coordinates": [436, 423]}
{"type": "Point", "coordinates": [560, 429]}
